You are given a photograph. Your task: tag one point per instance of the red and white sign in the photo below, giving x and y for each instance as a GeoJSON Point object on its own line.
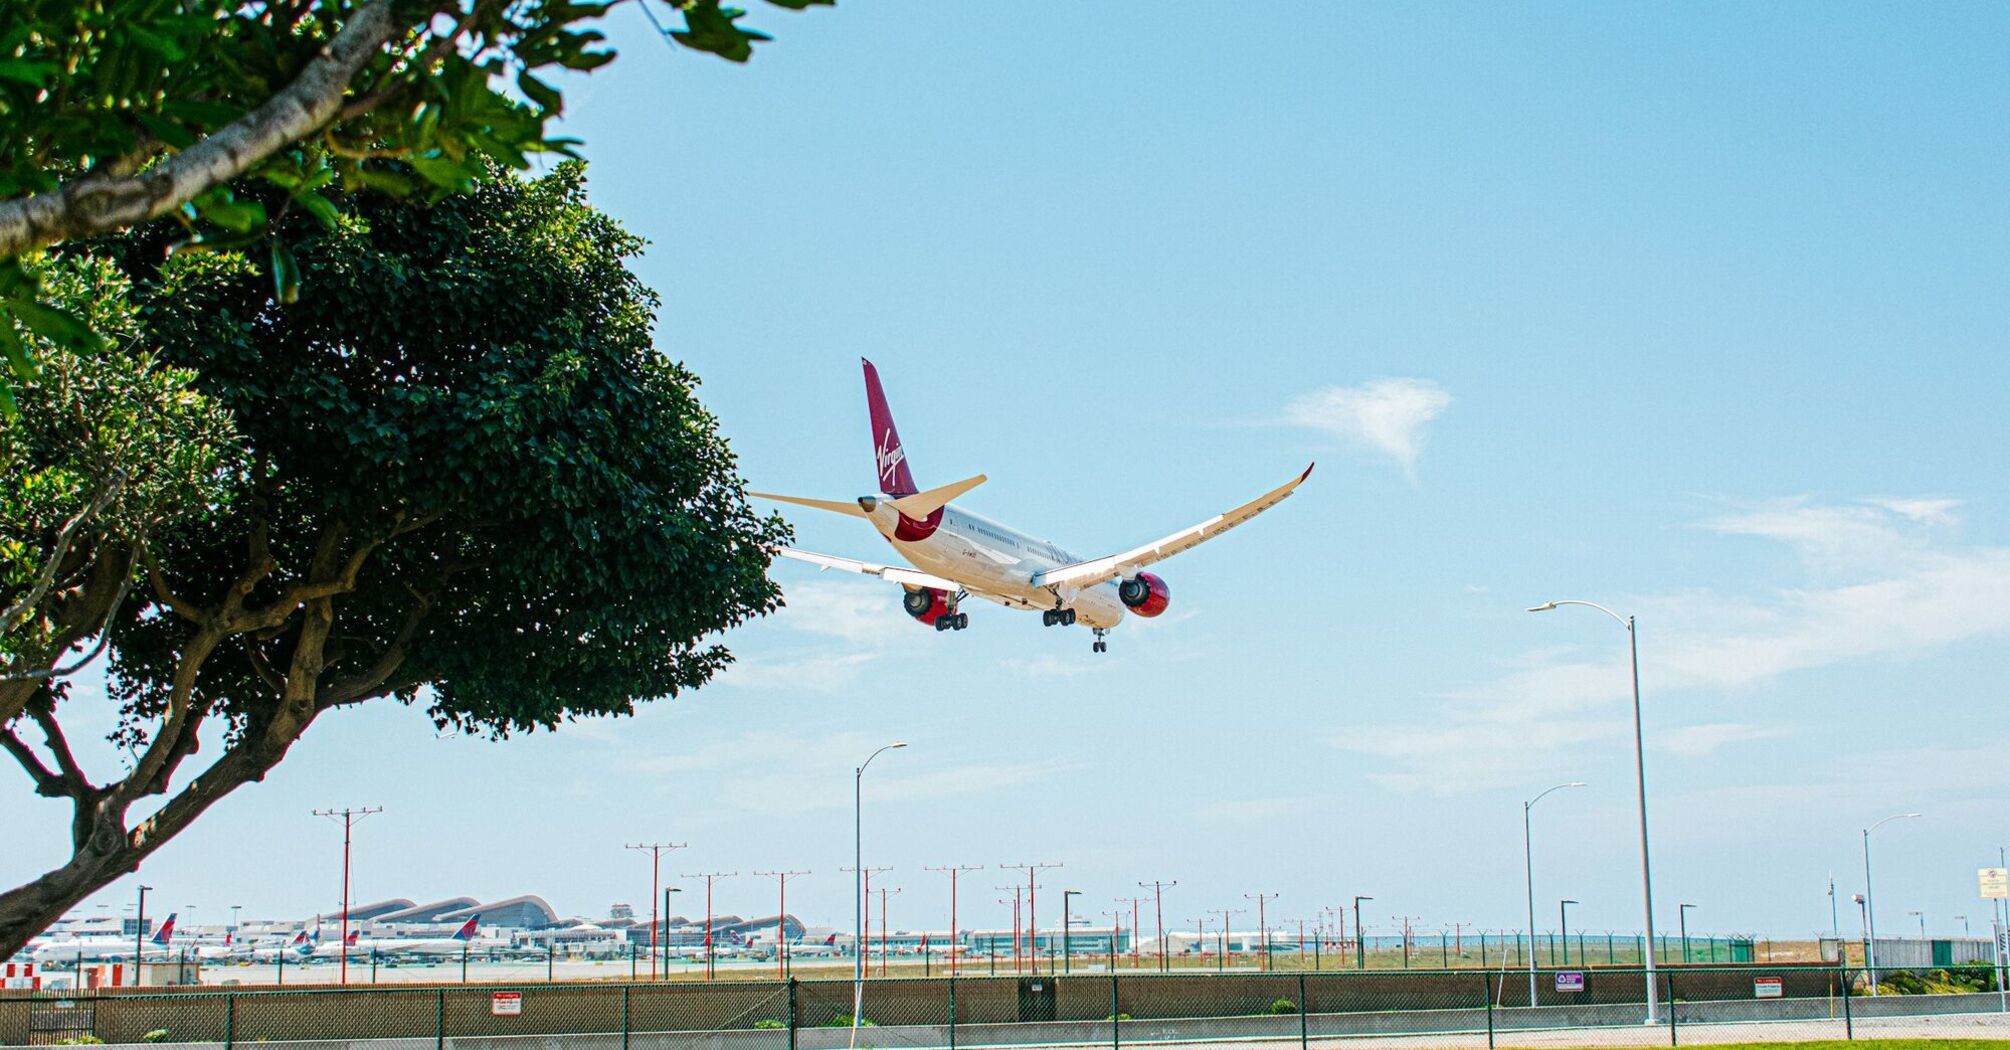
{"type": "Point", "coordinates": [21, 975]}
{"type": "Point", "coordinates": [506, 1004]}
{"type": "Point", "coordinates": [1767, 988]}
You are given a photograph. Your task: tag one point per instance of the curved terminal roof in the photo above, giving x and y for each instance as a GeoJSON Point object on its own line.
{"type": "Point", "coordinates": [526, 912]}
{"type": "Point", "coordinates": [426, 912]}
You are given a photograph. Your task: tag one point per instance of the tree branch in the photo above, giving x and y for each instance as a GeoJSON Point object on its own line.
{"type": "Point", "coordinates": [97, 204]}
{"type": "Point", "coordinates": [47, 784]}
{"type": "Point", "coordinates": [16, 612]}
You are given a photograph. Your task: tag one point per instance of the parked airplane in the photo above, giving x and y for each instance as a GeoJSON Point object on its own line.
{"type": "Point", "coordinates": [104, 949]}
{"type": "Point", "coordinates": [957, 554]}
{"type": "Point", "coordinates": [464, 938]}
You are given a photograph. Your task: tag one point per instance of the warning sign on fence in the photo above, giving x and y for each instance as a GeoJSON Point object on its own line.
{"type": "Point", "coordinates": [506, 1004]}
{"type": "Point", "coordinates": [1570, 981]}
{"type": "Point", "coordinates": [1767, 988]}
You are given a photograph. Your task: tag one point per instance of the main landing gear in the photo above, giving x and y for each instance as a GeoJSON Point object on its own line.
{"type": "Point", "coordinates": [1100, 646]}
{"type": "Point", "coordinates": [954, 621]}
{"type": "Point", "coordinates": [1057, 618]}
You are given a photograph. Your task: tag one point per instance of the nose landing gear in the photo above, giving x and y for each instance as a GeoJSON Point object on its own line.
{"type": "Point", "coordinates": [1099, 645]}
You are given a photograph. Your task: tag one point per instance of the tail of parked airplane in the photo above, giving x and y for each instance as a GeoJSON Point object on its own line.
{"type": "Point", "coordinates": [889, 459]}
{"type": "Point", "coordinates": [166, 932]}
{"type": "Point", "coordinates": [467, 930]}
{"type": "Point", "coordinates": [354, 936]}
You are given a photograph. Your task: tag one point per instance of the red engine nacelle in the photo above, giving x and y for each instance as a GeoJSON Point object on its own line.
{"type": "Point", "coordinates": [926, 604]}
{"type": "Point", "coordinates": [1145, 594]}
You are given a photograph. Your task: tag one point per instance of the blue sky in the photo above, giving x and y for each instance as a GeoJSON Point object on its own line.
{"type": "Point", "coordinates": [1693, 310]}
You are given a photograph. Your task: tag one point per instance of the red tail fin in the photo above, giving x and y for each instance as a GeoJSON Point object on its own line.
{"type": "Point", "coordinates": [888, 458]}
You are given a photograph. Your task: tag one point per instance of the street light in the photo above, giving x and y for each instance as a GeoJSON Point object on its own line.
{"type": "Point", "coordinates": [1563, 928]}
{"type": "Point", "coordinates": [1921, 916]}
{"type": "Point", "coordinates": [1682, 912]}
{"type": "Point", "coordinates": [1067, 928]}
{"type": "Point", "coordinates": [1640, 785]}
{"type": "Point", "coordinates": [1870, 901]}
{"type": "Point", "coordinates": [858, 883]}
{"type": "Point", "coordinates": [140, 933]}
{"type": "Point", "coordinates": [665, 930]}
{"type": "Point", "coordinates": [1360, 942]}
{"type": "Point", "coordinates": [1528, 876]}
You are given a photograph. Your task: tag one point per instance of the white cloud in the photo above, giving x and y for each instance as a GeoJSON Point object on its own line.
{"type": "Point", "coordinates": [1865, 535]}
{"type": "Point", "coordinates": [1388, 415]}
{"type": "Point", "coordinates": [1930, 511]}
{"type": "Point", "coordinates": [1904, 595]}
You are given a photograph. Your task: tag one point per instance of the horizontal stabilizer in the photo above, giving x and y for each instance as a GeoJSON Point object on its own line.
{"type": "Point", "coordinates": [835, 506]}
{"type": "Point", "coordinates": [922, 504]}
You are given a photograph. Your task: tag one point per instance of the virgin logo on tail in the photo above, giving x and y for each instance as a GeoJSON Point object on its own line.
{"type": "Point", "coordinates": [889, 455]}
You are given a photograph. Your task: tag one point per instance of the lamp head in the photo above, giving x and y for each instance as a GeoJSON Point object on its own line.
{"type": "Point", "coordinates": [1544, 607]}
{"type": "Point", "coordinates": [898, 743]}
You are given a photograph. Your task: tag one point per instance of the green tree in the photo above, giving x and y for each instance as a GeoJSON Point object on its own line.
{"type": "Point", "coordinates": [469, 482]}
{"type": "Point", "coordinates": [115, 112]}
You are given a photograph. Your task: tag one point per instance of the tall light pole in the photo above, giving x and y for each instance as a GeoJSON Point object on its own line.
{"type": "Point", "coordinates": [667, 891]}
{"type": "Point", "coordinates": [1068, 930]}
{"type": "Point", "coordinates": [1563, 928]}
{"type": "Point", "coordinates": [1528, 875]}
{"type": "Point", "coordinates": [140, 933]}
{"type": "Point", "coordinates": [234, 910]}
{"type": "Point", "coordinates": [1870, 901]}
{"type": "Point", "coordinates": [1640, 786]}
{"type": "Point", "coordinates": [1921, 916]}
{"type": "Point", "coordinates": [1682, 916]}
{"type": "Point", "coordinates": [1262, 923]}
{"type": "Point", "coordinates": [1032, 909]}
{"type": "Point", "coordinates": [1360, 942]}
{"type": "Point", "coordinates": [782, 920]}
{"type": "Point", "coordinates": [858, 879]}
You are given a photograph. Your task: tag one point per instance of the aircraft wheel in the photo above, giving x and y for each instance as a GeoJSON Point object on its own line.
{"type": "Point", "coordinates": [962, 620]}
{"type": "Point", "coordinates": [1046, 617]}
{"type": "Point", "coordinates": [1068, 617]}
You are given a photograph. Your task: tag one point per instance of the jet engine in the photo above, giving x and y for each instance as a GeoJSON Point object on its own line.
{"type": "Point", "coordinates": [926, 604]}
{"type": "Point", "coordinates": [1145, 594]}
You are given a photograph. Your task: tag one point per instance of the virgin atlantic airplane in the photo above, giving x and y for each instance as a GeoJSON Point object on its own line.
{"type": "Point", "coordinates": [956, 554]}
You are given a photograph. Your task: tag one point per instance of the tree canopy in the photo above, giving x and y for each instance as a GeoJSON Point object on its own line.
{"type": "Point", "coordinates": [460, 476]}
{"type": "Point", "coordinates": [115, 112]}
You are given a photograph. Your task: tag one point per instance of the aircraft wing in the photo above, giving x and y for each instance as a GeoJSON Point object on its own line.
{"type": "Point", "coordinates": [1085, 574]}
{"type": "Point", "coordinates": [895, 573]}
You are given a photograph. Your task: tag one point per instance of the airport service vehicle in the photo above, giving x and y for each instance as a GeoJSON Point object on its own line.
{"type": "Point", "coordinates": [104, 948]}
{"type": "Point", "coordinates": [956, 554]}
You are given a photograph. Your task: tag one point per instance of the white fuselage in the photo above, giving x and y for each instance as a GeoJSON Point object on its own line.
{"type": "Point", "coordinates": [998, 562]}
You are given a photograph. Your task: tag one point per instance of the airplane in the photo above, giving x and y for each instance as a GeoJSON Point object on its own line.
{"type": "Point", "coordinates": [104, 949]}
{"type": "Point", "coordinates": [463, 938]}
{"type": "Point", "coordinates": [956, 554]}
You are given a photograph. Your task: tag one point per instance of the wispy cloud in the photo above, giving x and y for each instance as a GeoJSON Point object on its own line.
{"type": "Point", "coordinates": [846, 623]}
{"type": "Point", "coordinates": [1897, 592]}
{"type": "Point", "coordinates": [1388, 415]}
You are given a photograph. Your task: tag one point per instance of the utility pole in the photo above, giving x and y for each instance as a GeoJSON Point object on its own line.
{"type": "Point", "coordinates": [1226, 913]}
{"type": "Point", "coordinates": [1117, 933]}
{"type": "Point", "coordinates": [349, 818]}
{"type": "Point", "coordinates": [862, 950]}
{"type": "Point", "coordinates": [954, 933]}
{"type": "Point", "coordinates": [1159, 911]}
{"type": "Point", "coordinates": [708, 877]}
{"type": "Point", "coordinates": [782, 920]}
{"type": "Point", "coordinates": [1133, 902]}
{"type": "Point", "coordinates": [1032, 870]}
{"type": "Point", "coordinates": [655, 850]}
{"type": "Point", "coordinates": [883, 891]}
{"type": "Point", "coordinates": [1262, 923]}
{"type": "Point", "coordinates": [1015, 888]}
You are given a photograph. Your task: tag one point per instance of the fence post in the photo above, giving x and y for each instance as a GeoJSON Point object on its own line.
{"type": "Point", "coordinates": [229, 1019]}
{"type": "Point", "coordinates": [1849, 1023]}
{"type": "Point", "coordinates": [1487, 1000]}
{"type": "Point", "coordinates": [1673, 1038]}
{"type": "Point", "coordinates": [1304, 1008]}
{"type": "Point", "coordinates": [793, 1021]}
{"type": "Point", "coordinates": [1116, 1016]}
{"type": "Point", "coordinates": [440, 1020]}
{"type": "Point", "coordinates": [626, 991]}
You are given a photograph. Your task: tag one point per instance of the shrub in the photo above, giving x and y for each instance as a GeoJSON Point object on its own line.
{"type": "Point", "coordinates": [844, 1021]}
{"type": "Point", "coordinates": [1118, 1017]}
{"type": "Point", "coordinates": [769, 1022]}
{"type": "Point", "coordinates": [1284, 1006]}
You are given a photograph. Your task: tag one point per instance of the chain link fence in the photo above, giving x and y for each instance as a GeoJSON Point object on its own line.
{"type": "Point", "coordinates": [1692, 1005]}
